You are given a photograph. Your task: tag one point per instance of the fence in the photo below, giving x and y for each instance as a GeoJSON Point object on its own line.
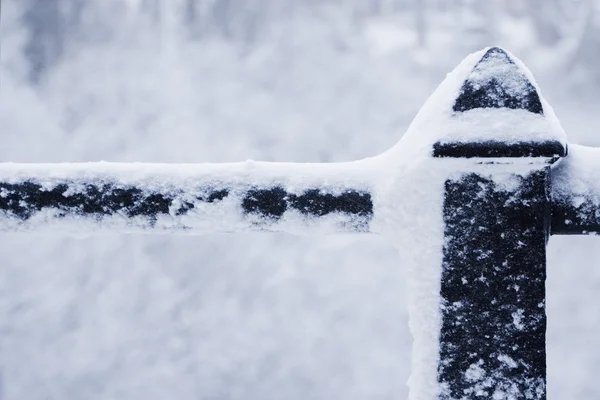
{"type": "Point", "coordinates": [472, 193]}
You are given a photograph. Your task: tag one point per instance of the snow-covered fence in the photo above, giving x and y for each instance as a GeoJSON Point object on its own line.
{"type": "Point", "coordinates": [471, 195]}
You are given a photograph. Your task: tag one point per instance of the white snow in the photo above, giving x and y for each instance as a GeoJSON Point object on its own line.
{"type": "Point", "coordinates": [577, 177]}
{"type": "Point", "coordinates": [495, 67]}
{"type": "Point", "coordinates": [475, 372]}
{"type": "Point", "coordinates": [507, 360]}
{"type": "Point", "coordinates": [518, 319]}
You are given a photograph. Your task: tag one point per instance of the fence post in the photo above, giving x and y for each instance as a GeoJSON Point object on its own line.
{"type": "Point", "coordinates": [495, 144]}
{"type": "Point", "coordinates": [496, 226]}
{"type": "Point", "coordinates": [492, 339]}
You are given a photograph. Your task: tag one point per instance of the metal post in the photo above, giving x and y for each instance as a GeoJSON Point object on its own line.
{"type": "Point", "coordinates": [492, 340]}
{"type": "Point", "coordinates": [497, 224]}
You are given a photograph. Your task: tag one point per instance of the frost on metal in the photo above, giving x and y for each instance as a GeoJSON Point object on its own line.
{"type": "Point", "coordinates": [492, 339]}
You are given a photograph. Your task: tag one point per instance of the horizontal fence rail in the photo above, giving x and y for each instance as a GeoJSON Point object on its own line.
{"type": "Point", "coordinates": [192, 198]}
{"type": "Point", "coordinates": [576, 193]}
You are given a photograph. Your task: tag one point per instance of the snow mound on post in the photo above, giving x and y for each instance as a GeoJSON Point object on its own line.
{"type": "Point", "coordinates": [489, 97]}
{"type": "Point", "coordinates": [491, 106]}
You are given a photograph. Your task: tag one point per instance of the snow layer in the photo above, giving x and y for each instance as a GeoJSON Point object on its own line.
{"type": "Point", "coordinates": [577, 177]}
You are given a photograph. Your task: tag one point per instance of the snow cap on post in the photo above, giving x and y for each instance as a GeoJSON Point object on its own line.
{"type": "Point", "coordinates": [489, 106]}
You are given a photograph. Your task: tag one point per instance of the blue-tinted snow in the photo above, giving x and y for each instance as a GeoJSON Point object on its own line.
{"type": "Point", "coordinates": [244, 316]}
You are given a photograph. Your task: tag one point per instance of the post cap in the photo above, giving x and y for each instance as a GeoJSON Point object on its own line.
{"type": "Point", "coordinates": [497, 82]}
{"type": "Point", "coordinates": [488, 106]}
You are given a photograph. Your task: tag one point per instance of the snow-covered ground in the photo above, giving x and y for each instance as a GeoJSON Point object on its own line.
{"type": "Point", "coordinates": [239, 316]}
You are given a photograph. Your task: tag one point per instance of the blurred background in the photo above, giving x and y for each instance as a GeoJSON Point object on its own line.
{"type": "Point", "coordinates": [255, 316]}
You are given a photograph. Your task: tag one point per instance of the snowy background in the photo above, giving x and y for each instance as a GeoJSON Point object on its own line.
{"type": "Point", "coordinates": [255, 316]}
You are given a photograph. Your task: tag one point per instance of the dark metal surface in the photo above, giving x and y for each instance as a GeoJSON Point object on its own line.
{"type": "Point", "coordinates": [273, 202]}
{"type": "Point", "coordinates": [571, 219]}
{"type": "Point", "coordinates": [492, 340]}
{"type": "Point", "coordinates": [491, 148]}
{"type": "Point", "coordinates": [23, 200]}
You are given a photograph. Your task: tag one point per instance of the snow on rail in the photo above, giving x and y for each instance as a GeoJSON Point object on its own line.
{"type": "Point", "coordinates": [576, 192]}
{"type": "Point", "coordinates": [193, 198]}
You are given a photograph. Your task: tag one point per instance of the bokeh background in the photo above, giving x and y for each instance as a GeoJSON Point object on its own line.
{"type": "Point", "coordinates": [255, 316]}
